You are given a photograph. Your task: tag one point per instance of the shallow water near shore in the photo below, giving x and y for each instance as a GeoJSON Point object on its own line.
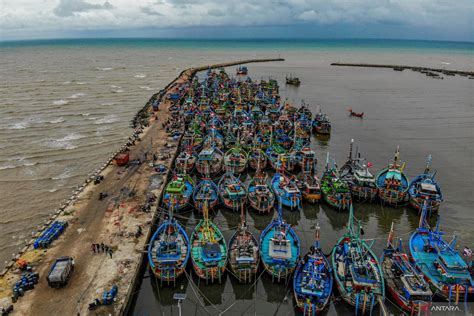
{"type": "Point", "coordinates": [65, 109]}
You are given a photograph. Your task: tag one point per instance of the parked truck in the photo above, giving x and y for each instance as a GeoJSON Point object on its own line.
{"type": "Point", "coordinates": [60, 272]}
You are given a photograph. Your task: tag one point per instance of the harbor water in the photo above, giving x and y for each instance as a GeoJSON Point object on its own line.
{"type": "Point", "coordinates": [65, 107]}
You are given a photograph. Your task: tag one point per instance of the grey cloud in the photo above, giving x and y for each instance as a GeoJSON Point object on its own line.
{"type": "Point", "coordinates": [150, 11]}
{"type": "Point", "coordinates": [67, 8]}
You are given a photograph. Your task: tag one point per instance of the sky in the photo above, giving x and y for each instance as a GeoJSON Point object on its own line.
{"type": "Point", "coordinates": [399, 19]}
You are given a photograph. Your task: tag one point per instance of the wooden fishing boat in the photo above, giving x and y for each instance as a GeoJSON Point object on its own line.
{"type": "Point", "coordinates": [277, 156]}
{"type": "Point", "coordinates": [439, 261]}
{"type": "Point", "coordinates": [235, 160]}
{"type": "Point", "coordinates": [352, 113]}
{"type": "Point", "coordinates": [425, 188]}
{"type": "Point", "coordinates": [178, 191]}
{"type": "Point", "coordinates": [209, 249]}
{"type": "Point", "coordinates": [355, 172]}
{"type": "Point", "coordinates": [286, 190]}
{"type": "Point", "coordinates": [313, 280]}
{"type": "Point", "coordinates": [279, 248]}
{"type": "Point", "coordinates": [232, 191]}
{"type": "Point", "coordinates": [185, 161]}
{"type": "Point", "coordinates": [260, 195]}
{"type": "Point", "coordinates": [310, 186]}
{"type": "Point", "coordinates": [308, 160]}
{"type": "Point", "coordinates": [244, 256]}
{"type": "Point", "coordinates": [294, 81]}
{"type": "Point", "coordinates": [357, 272]}
{"type": "Point", "coordinates": [168, 250]}
{"type": "Point", "coordinates": [242, 70]}
{"type": "Point", "coordinates": [321, 124]}
{"type": "Point", "coordinates": [335, 191]}
{"type": "Point", "coordinates": [209, 162]}
{"type": "Point", "coordinates": [392, 183]}
{"type": "Point", "coordinates": [404, 281]}
{"type": "Point", "coordinates": [206, 192]}
{"type": "Point", "coordinates": [257, 159]}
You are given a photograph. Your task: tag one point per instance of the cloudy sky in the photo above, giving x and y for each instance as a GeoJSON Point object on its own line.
{"type": "Point", "coordinates": [412, 19]}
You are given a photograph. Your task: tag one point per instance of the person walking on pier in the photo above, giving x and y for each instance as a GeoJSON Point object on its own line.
{"type": "Point", "coordinates": [110, 253]}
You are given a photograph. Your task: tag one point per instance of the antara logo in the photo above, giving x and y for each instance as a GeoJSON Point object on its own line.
{"type": "Point", "coordinates": [445, 308]}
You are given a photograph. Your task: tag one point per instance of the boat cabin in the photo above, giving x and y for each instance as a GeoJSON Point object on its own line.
{"type": "Point", "coordinates": [211, 253]}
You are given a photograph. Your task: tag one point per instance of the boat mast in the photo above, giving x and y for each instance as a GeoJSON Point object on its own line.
{"type": "Point", "coordinates": [350, 150]}
{"type": "Point", "coordinates": [316, 237]}
{"type": "Point", "coordinates": [428, 162]}
{"type": "Point", "coordinates": [390, 236]}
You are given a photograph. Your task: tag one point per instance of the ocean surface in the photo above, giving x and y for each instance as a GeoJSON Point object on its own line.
{"type": "Point", "coordinates": [66, 105]}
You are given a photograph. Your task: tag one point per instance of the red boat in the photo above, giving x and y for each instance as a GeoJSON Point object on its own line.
{"type": "Point", "coordinates": [352, 113]}
{"type": "Point", "coordinates": [121, 159]}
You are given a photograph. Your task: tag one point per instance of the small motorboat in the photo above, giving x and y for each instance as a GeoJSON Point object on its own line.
{"type": "Point", "coordinates": [352, 113]}
{"type": "Point", "coordinates": [294, 81]}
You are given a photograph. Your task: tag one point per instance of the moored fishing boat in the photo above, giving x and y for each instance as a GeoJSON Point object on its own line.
{"type": "Point", "coordinates": [277, 156]}
{"type": "Point", "coordinates": [313, 280]}
{"type": "Point", "coordinates": [286, 190]}
{"type": "Point", "coordinates": [441, 264]}
{"type": "Point", "coordinates": [392, 183]}
{"type": "Point", "coordinates": [335, 191]}
{"type": "Point", "coordinates": [355, 172]}
{"type": "Point", "coordinates": [206, 192]}
{"type": "Point", "coordinates": [209, 249]}
{"type": "Point", "coordinates": [279, 248]}
{"type": "Point", "coordinates": [178, 191]}
{"type": "Point", "coordinates": [260, 195]}
{"type": "Point", "coordinates": [235, 160]}
{"type": "Point", "coordinates": [357, 272]}
{"type": "Point", "coordinates": [244, 256]}
{"type": "Point", "coordinates": [405, 283]}
{"type": "Point", "coordinates": [209, 162]}
{"type": "Point", "coordinates": [168, 250]}
{"type": "Point", "coordinates": [185, 161]}
{"type": "Point", "coordinates": [294, 81]}
{"type": "Point", "coordinates": [232, 191]}
{"type": "Point", "coordinates": [321, 124]}
{"type": "Point", "coordinates": [242, 70]}
{"type": "Point", "coordinates": [257, 158]}
{"type": "Point", "coordinates": [425, 188]}
{"type": "Point", "coordinates": [310, 187]}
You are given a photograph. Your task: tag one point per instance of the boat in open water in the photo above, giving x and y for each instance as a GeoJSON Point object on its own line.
{"type": "Point", "coordinates": [313, 280]}
{"type": "Point", "coordinates": [178, 191]}
{"type": "Point", "coordinates": [321, 124]}
{"type": "Point", "coordinates": [404, 281]}
{"type": "Point", "coordinates": [355, 172]}
{"type": "Point", "coordinates": [208, 249]}
{"type": "Point", "coordinates": [232, 191]}
{"type": "Point", "coordinates": [335, 191]}
{"type": "Point", "coordinates": [244, 256]}
{"type": "Point", "coordinates": [168, 250]}
{"type": "Point", "coordinates": [392, 183]}
{"type": "Point", "coordinates": [279, 248]}
{"type": "Point", "coordinates": [441, 264]}
{"type": "Point", "coordinates": [425, 188]}
{"type": "Point", "coordinates": [357, 271]}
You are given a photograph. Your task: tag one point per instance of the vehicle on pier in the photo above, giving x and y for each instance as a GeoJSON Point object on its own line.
{"type": "Point", "coordinates": [357, 271]}
{"type": "Point", "coordinates": [392, 183]}
{"type": "Point", "coordinates": [439, 261]}
{"type": "Point", "coordinates": [60, 272]}
{"type": "Point", "coordinates": [425, 188]}
{"type": "Point", "coordinates": [404, 281]}
{"type": "Point", "coordinates": [279, 248]}
{"type": "Point", "coordinates": [313, 280]}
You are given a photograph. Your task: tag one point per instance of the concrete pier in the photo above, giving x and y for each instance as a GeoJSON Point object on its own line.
{"type": "Point", "coordinates": [113, 220]}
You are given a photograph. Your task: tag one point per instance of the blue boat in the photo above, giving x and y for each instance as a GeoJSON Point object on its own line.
{"type": "Point", "coordinates": [440, 263]}
{"type": "Point", "coordinates": [168, 250]}
{"type": "Point", "coordinates": [279, 248]}
{"type": "Point", "coordinates": [206, 191]}
{"type": "Point", "coordinates": [178, 191]}
{"type": "Point", "coordinates": [313, 280]}
{"type": "Point", "coordinates": [392, 183]}
{"type": "Point", "coordinates": [287, 191]}
{"type": "Point", "coordinates": [357, 272]}
{"type": "Point", "coordinates": [425, 188]}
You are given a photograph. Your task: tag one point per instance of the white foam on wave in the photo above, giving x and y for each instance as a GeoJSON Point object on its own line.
{"type": "Point", "coordinates": [60, 102]}
{"type": "Point", "coordinates": [64, 175]}
{"type": "Point", "coordinates": [64, 142]}
{"type": "Point", "coordinates": [57, 120]}
{"type": "Point", "coordinates": [85, 114]}
{"type": "Point", "coordinates": [145, 88]}
{"type": "Point", "coordinates": [67, 82]}
{"type": "Point", "coordinates": [445, 63]}
{"type": "Point", "coordinates": [107, 103]}
{"type": "Point", "coordinates": [113, 86]}
{"type": "Point", "coordinates": [20, 125]}
{"type": "Point", "coordinates": [81, 82]}
{"type": "Point", "coordinates": [140, 76]}
{"type": "Point", "coordinates": [52, 190]}
{"type": "Point", "coordinates": [104, 68]}
{"type": "Point", "coordinates": [77, 95]}
{"type": "Point", "coordinates": [117, 91]}
{"type": "Point", "coordinates": [5, 167]}
{"type": "Point", "coordinates": [108, 119]}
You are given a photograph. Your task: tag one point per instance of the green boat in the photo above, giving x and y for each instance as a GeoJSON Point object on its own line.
{"type": "Point", "coordinates": [208, 249]}
{"type": "Point", "coordinates": [335, 191]}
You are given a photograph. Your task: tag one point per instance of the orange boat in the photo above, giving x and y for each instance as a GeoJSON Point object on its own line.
{"type": "Point", "coordinates": [121, 159]}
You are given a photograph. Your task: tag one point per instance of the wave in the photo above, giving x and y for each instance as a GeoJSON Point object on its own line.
{"type": "Point", "coordinates": [146, 88]}
{"type": "Point", "coordinates": [52, 190]}
{"type": "Point", "coordinates": [64, 142]}
{"type": "Point", "coordinates": [108, 119]}
{"type": "Point", "coordinates": [104, 68]}
{"type": "Point", "coordinates": [19, 125]}
{"type": "Point", "coordinates": [77, 95]}
{"type": "Point", "coordinates": [10, 166]}
{"type": "Point", "coordinates": [117, 91]}
{"type": "Point", "coordinates": [60, 102]}
{"type": "Point", "coordinates": [56, 121]}
{"type": "Point", "coordinates": [140, 76]}
{"type": "Point", "coordinates": [67, 82]}
{"type": "Point", "coordinates": [113, 86]}
{"type": "Point", "coordinates": [107, 103]}
{"type": "Point", "coordinates": [81, 82]}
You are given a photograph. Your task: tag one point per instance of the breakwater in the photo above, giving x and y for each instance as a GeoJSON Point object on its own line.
{"type": "Point", "coordinates": [132, 196]}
